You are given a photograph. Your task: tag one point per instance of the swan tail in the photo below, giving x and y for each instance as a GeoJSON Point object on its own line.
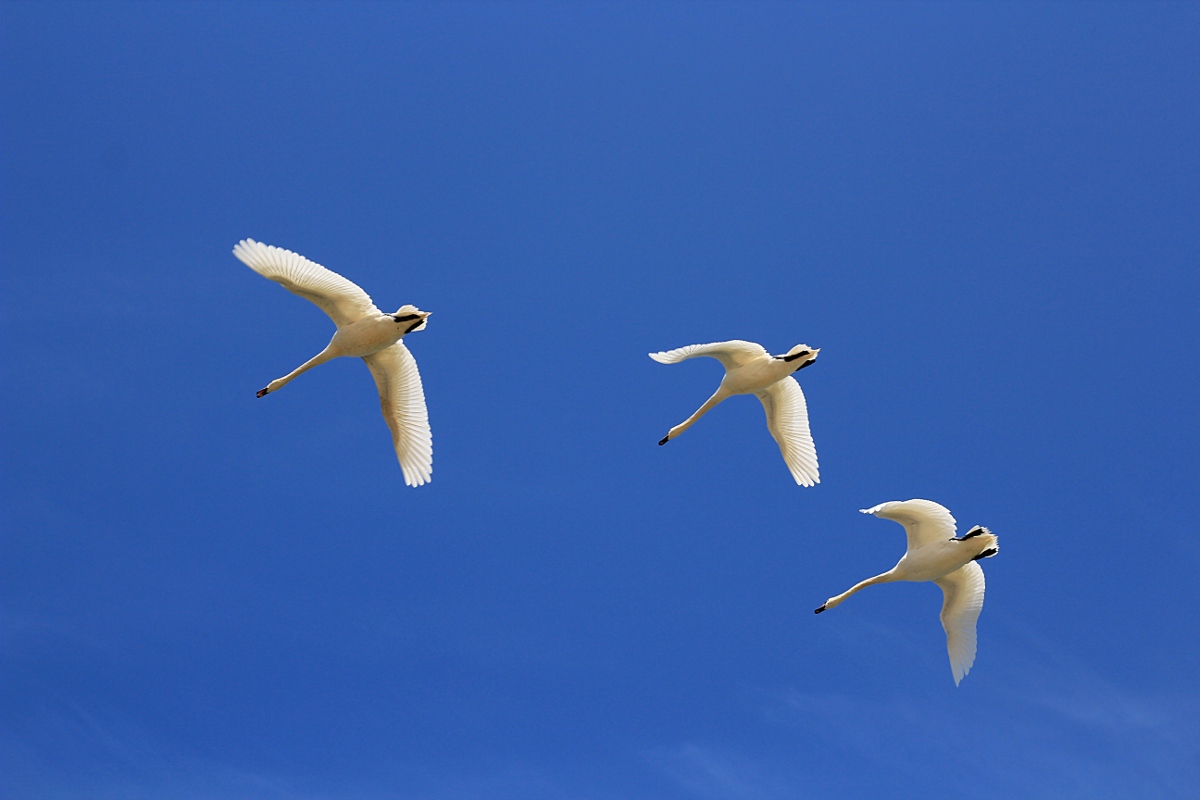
{"type": "Point", "coordinates": [988, 543]}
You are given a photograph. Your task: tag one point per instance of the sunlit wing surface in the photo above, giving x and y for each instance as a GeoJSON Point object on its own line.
{"type": "Point", "coordinates": [338, 297]}
{"type": "Point", "coordinates": [731, 354]}
{"type": "Point", "coordinates": [963, 591]}
{"type": "Point", "coordinates": [402, 400]}
{"type": "Point", "coordinates": [787, 419]}
{"type": "Point", "coordinates": [924, 521]}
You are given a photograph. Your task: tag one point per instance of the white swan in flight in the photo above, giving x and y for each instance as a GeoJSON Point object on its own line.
{"type": "Point", "coordinates": [935, 555]}
{"type": "Point", "coordinates": [365, 331]}
{"type": "Point", "coordinates": [750, 369]}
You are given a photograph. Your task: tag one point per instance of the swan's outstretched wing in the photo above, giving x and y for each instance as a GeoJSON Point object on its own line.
{"type": "Point", "coordinates": [924, 520]}
{"type": "Point", "coordinates": [787, 418]}
{"type": "Point", "coordinates": [963, 590]}
{"type": "Point", "coordinates": [732, 354]}
{"type": "Point", "coordinates": [341, 299]}
{"type": "Point", "coordinates": [403, 401]}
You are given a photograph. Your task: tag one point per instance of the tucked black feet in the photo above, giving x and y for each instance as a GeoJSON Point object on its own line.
{"type": "Point", "coordinates": [991, 551]}
{"type": "Point", "coordinates": [665, 439]}
{"type": "Point", "coordinates": [819, 610]}
{"type": "Point", "coordinates": [261, 392]}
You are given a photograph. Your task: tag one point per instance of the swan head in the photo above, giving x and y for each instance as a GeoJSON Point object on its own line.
{"type": "Point", "coordinates": [832, 602]}
{"type": "Point", "coordinates": [411, 317]}
{"type": "Point", "coordinates": [801, 356]}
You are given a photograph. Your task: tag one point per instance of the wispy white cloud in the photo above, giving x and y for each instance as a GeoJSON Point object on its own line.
{"type": "Point", "coordinates": [1047, 726]}
{"type": "Point", "coordinates": [712, 774]}
{"type": "Point", "coordinates": [110, 760]}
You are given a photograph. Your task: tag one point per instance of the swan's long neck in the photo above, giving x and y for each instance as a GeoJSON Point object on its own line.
{"type": "Point", "coordinates": [720, 395]}
{"type": "Point", "coordinates": [837, 600]}
{"type": "Point", "coordinates": [320, 358]}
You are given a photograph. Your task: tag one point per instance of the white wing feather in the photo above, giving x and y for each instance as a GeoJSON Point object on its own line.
{"type": "Point", "coordinates": [734, 353]}
{"type": "Point", "coordinates": [924, 520]}
{"type": "Point", "coordinates": [963, 590]}
{"type": "Point", "coordinates": [787, 419]}
{"type": "Point", "coordinates": [402, 399]}
{"type": "Point", "coordinates": [338, 297]}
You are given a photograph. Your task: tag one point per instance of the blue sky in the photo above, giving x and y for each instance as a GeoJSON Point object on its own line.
{"type": "Point", "coordinates": [985, 215]}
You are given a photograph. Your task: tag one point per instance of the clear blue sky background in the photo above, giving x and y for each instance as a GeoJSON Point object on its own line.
{"type": "Point", "coordinates": [986, 215]}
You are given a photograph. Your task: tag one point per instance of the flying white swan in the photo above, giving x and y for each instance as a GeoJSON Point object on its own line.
{"type": "Point", "coordinates": [750, 369]}
{"type": "Point", "coordinates": [935, 555]}
{"type": "Point", "coordinates": [362, 330]}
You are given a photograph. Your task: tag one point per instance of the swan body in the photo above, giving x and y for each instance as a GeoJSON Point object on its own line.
{"type": "Point", "coordinates": [363, 331]}
{"type": "Point", "coordinates": [934, 554]}
{"type": "Point", "coordinates": [750, 369]}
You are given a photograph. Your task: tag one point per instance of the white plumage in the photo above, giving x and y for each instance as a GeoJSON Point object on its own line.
{"type": "Point", "coordinates": [750, 369]}
{"type": "Point", "coordinates": [363, 331]}
{"type": "Point", "coordinates": [338, 297]}
{"type": "Point", "coordinates": [402, 400]}
{"type": "Point", "coordinates": [962, 600]}
{"type": "Point", "coordinates": [934, 554]}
